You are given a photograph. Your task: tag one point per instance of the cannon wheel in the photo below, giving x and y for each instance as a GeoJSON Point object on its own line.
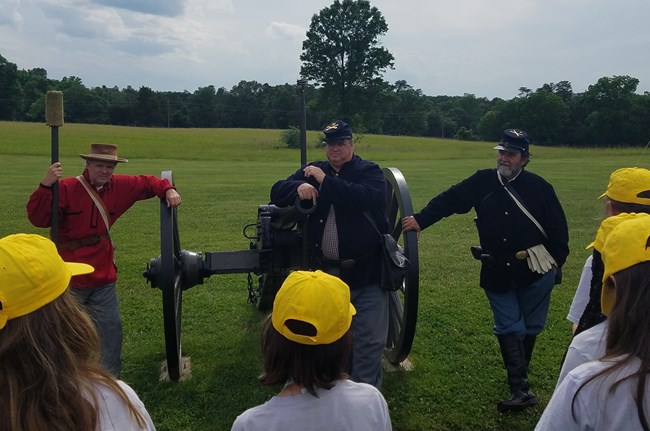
{"type": "Point", "coordinates": [170, 284]}
{"type": "Point", "coordinates": [403, 303]}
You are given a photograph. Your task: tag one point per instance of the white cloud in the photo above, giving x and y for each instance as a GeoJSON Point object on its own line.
{"type": "Point", "coordinates": [286, 31]}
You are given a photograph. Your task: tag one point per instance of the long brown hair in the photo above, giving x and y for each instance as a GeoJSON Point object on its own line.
{"type": "Point", "coordinates": [628, 333]}
{"type": "Point", "coordinates": [311, 367]}
{"type": "Point", "coordinates": [48, 369]}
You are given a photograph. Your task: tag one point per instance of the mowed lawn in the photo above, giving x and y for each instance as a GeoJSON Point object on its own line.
{"type": "Point", "coordinates": [223, 176]}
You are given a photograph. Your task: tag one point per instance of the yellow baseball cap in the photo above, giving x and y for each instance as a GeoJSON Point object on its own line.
{"type": "Point", "coordinates": [32, 274]}
{"type": "Point", "coordinates": [606, 227]}
{"type": "Point", "coordinates": [317, 298]}
{"type": "Point", "coordinates": [627, 244]}
{"type": "Point", "coordinates": [629, 185]}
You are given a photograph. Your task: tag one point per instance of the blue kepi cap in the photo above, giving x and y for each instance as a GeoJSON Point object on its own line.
{"type": "Point", "coordinates": [337, 131]}
{"type": "Point", "coordinates": [513, 140]}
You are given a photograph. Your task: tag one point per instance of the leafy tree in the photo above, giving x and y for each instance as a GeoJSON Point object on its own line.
{"type": "Point", "coordinates": [437, 120]}
{"type": "Point", "coordinates": [243, 104]}
{"type": "Point", "coordinates": [608, 105]}
{"type": "Point", "coordinates": [490, 127]}
{"type": "Point", "coordinates": [33, 86]}
{"type": "Point", "coordinates": [202, 110]}
{"type": "Point", "coordinates": [450, 114]}
{"type": "Point", "coordinates": [524, 91]}
{"type": "Point", "coordinates": [177, 107]}
{"type": "Point", "coordinates": [342, 52]}
{"type": "Point", "coordinates": [542, 114]}
{"type": "Point", "coordinates": [469, 109]}
{"type": "Point", "coordinates": [9, 89]}
{"type": "Point", "coordinates": [79, 104]}
{"type": "Point", "coordinates": [435, 123]}
{"type": "Point", "coordinates": [638, 121]}
{"type": "Point", "coordinates": [148, 109]}
{"type": "Point", "coordinates": [120, 104]}
{"type": "Point", "coordinates": [562, 89]}
{"type": "Point", "coordinates": [408, 111]}
{"type": "Point", "coordinates": [371, 102]}
{"type": "Point", "coordinates": [280, 107]}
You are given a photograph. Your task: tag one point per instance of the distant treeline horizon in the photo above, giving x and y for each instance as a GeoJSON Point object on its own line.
{"type": "Point", "coordinates": [608, 114]}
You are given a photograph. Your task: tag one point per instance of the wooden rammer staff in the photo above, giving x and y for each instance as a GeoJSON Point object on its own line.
{"type": "Point", "coordinates": [54, 120]}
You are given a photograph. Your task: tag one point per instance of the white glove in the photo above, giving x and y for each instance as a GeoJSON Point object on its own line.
{"type": "Point", "coordinates": [533, 262]}
{"type": "Point", "coordinates": [539, 259]}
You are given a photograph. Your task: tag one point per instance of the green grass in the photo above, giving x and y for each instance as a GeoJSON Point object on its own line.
{"type": "Point", "coordinates": [223, 175]}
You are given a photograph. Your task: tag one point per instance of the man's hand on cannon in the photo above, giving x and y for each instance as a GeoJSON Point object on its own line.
{"type": "Point", "coordinates": [308, 192]}
{"type": "Point", "coordinates": [173, 198]}
{"type": "Point", "coordinates": [409, 223]}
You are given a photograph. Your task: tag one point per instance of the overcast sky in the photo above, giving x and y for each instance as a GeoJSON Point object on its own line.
{"type": "Point", "coordinates": [489, 48]}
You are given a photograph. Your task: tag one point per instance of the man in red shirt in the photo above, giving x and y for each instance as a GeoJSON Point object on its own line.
{"type": "Point", "coordinates": [87, 206]}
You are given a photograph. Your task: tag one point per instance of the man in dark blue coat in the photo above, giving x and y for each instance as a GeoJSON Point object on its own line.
{"type": "Point", "coordinates": [524, 243]}
{"type": "Point", "coordinates": [342, 240]}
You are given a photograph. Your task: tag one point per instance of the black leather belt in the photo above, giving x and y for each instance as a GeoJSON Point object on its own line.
{"type": "Point", "coordinates": [343, 263]}
{"type": "Point", "coordinates": [82, 242]}
{"type": "Point", "coordinates": [479, 254]}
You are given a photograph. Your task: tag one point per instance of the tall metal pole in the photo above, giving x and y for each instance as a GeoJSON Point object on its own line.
{"type": "Point", "coordinates": [303, 162]}
{"type": "Point", "coordinates": [303, 122]}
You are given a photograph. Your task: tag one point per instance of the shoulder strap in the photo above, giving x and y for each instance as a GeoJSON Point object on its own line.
{"type": "Point", "coordinates": [517, 199]}
{"type": "Point", "coordinates": [99, 203]}
{"type": "Point", "coordinates": [372, 221]}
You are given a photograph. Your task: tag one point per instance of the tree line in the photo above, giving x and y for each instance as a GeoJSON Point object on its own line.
{"type": "Point", "coordinates": [609, 113]}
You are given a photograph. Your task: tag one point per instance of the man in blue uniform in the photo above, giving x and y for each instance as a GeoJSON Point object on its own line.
{"type": "Point", "coordinates": [524, 243]}
{"type": "Point", "coordinates": [342, 240]}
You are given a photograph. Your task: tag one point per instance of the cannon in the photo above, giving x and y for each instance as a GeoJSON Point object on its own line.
{"type": "Point", "coordinates": [277, 245]}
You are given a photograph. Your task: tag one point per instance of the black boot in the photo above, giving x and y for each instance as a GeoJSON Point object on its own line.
{"type": "Point", "coordinates": [529, 344]}
{"type": "Point", "coordinates": [514, 359]}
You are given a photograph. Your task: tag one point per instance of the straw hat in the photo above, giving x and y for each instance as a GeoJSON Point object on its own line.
{"type": "Point", "coordinates": [103, 152]}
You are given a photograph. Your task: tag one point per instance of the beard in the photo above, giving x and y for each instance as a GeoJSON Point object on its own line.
{"type": "Point", "coordinates": [509, 172]}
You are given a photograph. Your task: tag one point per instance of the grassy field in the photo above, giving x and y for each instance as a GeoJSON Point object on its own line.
{"type": "Point", "coordinates": [223, 175]}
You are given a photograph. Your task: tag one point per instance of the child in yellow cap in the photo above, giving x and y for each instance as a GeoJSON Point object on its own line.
{"type": "Point", "coordinates": [306, 344]}
{"type": "Point", "coordinates": [613, 393]}
{"type": "Point", "coordinates": [628, 191]}
{"type": "Point", "coordinates": [589, 344]}
{"type": "Point", "coordinates": [49, 370]}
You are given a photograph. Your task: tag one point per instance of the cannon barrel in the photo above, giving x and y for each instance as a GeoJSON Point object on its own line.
{"type": "Point", "coordinates": [275, 236]}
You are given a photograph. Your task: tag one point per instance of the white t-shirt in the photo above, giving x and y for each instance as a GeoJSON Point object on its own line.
{"type": "Point", "coordinates": [348, 406]}
{"type": "Point", "coordinates": [581, 297]}
{"type": "Point", "coordinates": [596, 408]}
{"type": "Point", "coordinates": [589, 345]}
{"type": "Point", "coordinates": [113, 412]}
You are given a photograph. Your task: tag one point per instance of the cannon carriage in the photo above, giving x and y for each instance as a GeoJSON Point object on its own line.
{"type": "Point", "coordinates": [277, 246]}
